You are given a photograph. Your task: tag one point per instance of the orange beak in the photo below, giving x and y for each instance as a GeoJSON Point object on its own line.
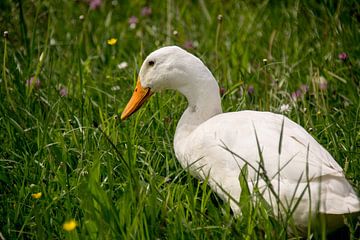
{"type": "Point", "coordinates": [138, 98]}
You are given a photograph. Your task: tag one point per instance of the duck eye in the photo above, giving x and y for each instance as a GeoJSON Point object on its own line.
{"type": "Point", "coordinates": [151, 63]}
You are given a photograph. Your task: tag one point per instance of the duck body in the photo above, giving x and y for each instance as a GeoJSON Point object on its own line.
{"type": "Point", "coordinates": [291, 170]}
{"type": "Point", "coordinates": [302, 174]}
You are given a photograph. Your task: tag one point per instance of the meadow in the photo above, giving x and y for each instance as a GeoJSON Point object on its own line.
{"type": "Point", "coordinates": [70, 169]}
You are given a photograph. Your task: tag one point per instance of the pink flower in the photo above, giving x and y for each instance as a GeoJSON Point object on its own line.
{"type": "Point", "coordinates": [133, 21]}
{"type": "Point", "coordinates": [188, 44]}
{"type": "Point", "coordinates": [33, 82]}
{"type": "Point", "coordinates": [302, 90]}
{"type": "Point", "coordinates": [63, 91]}
{"type": "Point", "coordinates": [343, 56]}
{"type": "Point", "coordinates": [94, 4]}
{"type": "Point", "coordinates": [146, 11]}
{"type": "Point", "coordinates": [297, 94]}
{"type": "Point", "coordinates": [251, 90]}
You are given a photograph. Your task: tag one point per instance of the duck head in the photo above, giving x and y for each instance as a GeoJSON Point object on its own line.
{"type": "Point", "coordinates": [168, 68]}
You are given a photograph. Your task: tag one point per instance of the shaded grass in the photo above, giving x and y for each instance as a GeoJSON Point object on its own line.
{"type": "Point", "coordinates": [52, 144]}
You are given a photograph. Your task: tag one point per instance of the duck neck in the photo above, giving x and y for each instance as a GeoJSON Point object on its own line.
{"type": "Point", "coordinates": [204, 102]}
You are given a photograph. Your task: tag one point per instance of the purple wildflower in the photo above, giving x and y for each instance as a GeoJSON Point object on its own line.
{"type": "Point", "coordinates": [303, 89]}
{"type": "Point", "coordinates": [188, 44]}
{"type": "Point", "coordinates": [251, 90]}
{"type": "Point", "coordinates": [297, 94]}
{"type": "Point", "coordinates": [63, 91]}
{"type": "Point", "coordinates": [94, 4]}
{"type": "Point", "coordinates": [33, 82]}
{"type": "Point", "coordinates": [133, 21]}
{"type": "Point", "coordinates": [146, 11]}
{"type": "Point", "coordinates": [343, 56]}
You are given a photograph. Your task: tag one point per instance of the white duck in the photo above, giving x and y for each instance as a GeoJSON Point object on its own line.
{"type": "Point", "coordinates": [217, 145]}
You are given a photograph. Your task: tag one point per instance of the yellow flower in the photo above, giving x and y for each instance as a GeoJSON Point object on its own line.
{"type": "Point", "coordinates": [36, 195]}
{"type": "Point", "coordinates": [112, 41]}
{"type": "Point", "coordinates": [70, 225]}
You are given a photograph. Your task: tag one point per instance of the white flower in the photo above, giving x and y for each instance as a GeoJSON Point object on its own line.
{"type": "Point", "coordinates": [122, 65]}
{"type": "Point", "coordinates": [52, 42]}
{"type": "Point", "coordinates": [115, 88]}
{"type": "Point", "coordinates": [284, 108]}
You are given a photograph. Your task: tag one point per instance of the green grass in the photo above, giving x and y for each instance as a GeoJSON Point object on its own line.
{"type": "Point", "coordinates": [121, 180]}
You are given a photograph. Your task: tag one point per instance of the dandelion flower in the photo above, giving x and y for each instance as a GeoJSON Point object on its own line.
{"type": "Point", "coordinates": [69, 225]}
{"type": "Point", "coordinates": [112, 41]}
{"type": "Point", "coordinates": [36, 195]}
